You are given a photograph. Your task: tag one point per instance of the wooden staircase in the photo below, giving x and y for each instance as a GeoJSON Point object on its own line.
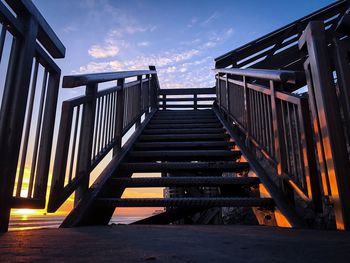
{"type": "Point", "coordinates": [190, 148]}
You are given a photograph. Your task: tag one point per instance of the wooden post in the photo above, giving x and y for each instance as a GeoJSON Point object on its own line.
{"type": "Point", "coordinates": [13, 113]}
{"type": "Point", "coordinates": [46, 137]}
{"type": "Point", "coordinates": [139, 102]}
{"type": "Point", "coordinates": [120, 116]}
{"type": "Point", "coordinates": [227, 99]}
{"type": "Point", "coordinates": [86, 140]}
{"type": "Point", "coordinates": [327, 120]}
{"type": "Point", "coordinates": [195, 104]}
{"type": "Point", "coordinates": [247, 111]}
{"type": "Point", "coordinates": [278, 135]}
{"type": "Point", "coordinates": [155, 89]}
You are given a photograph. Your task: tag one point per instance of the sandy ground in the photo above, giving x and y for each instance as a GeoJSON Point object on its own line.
{"type": "Point", "coordinates": [124, 243]}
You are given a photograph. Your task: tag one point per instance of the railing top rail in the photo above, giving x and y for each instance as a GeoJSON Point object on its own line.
{"type": "Point", "coordinates": [268, 74]}
{"type": "Point", "coordinates": [94, 78]}
{"type": "Point", "coordinates": [317, 15]}
{"type": "Point", "coordinates": [187, 91]}
{"type": "Point", "coordinates": [46, 36]}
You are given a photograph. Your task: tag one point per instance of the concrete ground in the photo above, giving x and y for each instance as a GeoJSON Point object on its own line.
{"type": "Point", "coordinates": [175, 243]}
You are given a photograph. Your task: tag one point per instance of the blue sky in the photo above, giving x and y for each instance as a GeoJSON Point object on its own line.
{"type": "Point", "coordinates": [181, 38]}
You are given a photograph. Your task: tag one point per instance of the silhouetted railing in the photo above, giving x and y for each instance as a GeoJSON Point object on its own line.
{"type": "Point", "coordinates": [328, 79]}
{"type": "Point", "coordinates": [275, 123]}
{"type": "Point", "coordinates": [94, 124]}
{"type": "Point", "coordinates": [28, 92]}
{"type": "Point", "coordinates": [186, 98]}
{"type": "Point", "coordinates": [279, 49]}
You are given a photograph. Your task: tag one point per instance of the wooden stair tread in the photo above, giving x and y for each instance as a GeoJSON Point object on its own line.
{"type": "Point", "coordinates": [185, 131]}
{"type": "Point", "coordinates": [185, 125]}
{"type": "Point", "coordinates": [183, 181]}
{"type": "Point", "coordinates": [184, 145]}
{"type": "Point", "coordinates": [189, 155]}
{"type": "Point", "coordinates": [186, 202]}
{"type": "Point", "coordinates": [180, 137]}
{"type": "Point", "coordinates": [184, 167]}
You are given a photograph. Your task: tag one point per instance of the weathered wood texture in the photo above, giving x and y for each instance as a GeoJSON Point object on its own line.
{"type": "Point", "coordinates": [107, 116]}
{"type": "Point", "coordinates": [279, 49]}
{"type": "Point", "coordinates": [26, 123]}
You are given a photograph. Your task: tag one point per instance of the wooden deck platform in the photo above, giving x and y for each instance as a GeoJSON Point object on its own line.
{"type": "Point", "coordinates": [175, 243]}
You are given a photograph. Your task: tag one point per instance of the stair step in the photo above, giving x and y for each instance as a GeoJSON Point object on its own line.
{"type": "Point", "coordinates": [184, 137]}
{"type": "Point", "coordinates": [186, 155]}
{"type": "Point", "coordinates": [186, 202]}
{"type": "Point", "coordinates": [184, 112]}
{"type": "Point", "coordinates": [184, 145]}
{"type": "Point", "coordinates": [184, 131]}
{"type": "Point", "coordinates": [184, 125]}
{"type": "Point", "coordinates": [183, 121]}
{"type": "Point", "coordinates": [185, 117]}
{"type": "Point", "coordinates": [186, 106]}
{"type": "Point", "coordinates": [185, 167]}
{"type": "Point", "coordinates": [183, 181]}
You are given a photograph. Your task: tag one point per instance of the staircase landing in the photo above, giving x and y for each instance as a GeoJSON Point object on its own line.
{"type": "Point", "coordinates": [175, 243]}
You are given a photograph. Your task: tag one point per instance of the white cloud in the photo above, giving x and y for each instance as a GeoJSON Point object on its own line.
{"type": "Point", "coordinates": [193, 22]}
{"type": "Point", "coordinates": [210, 19]}
{"type": "Point", "coordinates": [108, 50]}
{"type": "Point", "coordinates": [94, 67]}
{"type": "Point", "coordinates": [69, 29]}
{"type": "Point", "coordinates": [143, 44]}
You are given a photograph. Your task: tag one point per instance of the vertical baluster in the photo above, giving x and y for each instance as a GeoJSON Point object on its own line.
{"type": "Point", "coordinates": [85, 141]}
{"type": "Point", "coordinates": [95, 148]}
{"type": "Point", "coordinates": [2, 40]}
{"type": "Point", "coordinates": [37, 134]}
{"type": "Point", "coordinates": [27, 129]}
{"type": "Point", "coordinates": [120, 116]}
{"type": "Point", "coordinates": [278, 134]}
{"type": "Point", "coordinates": [269, 128]}
{"type": "Point", "coordinates": [99, 145]}
{"type": "Point", "coordinates": [75, 132]}
{"type": "Point", "coordinates": [284, 130]}
{"type": "Point", "coordinates": [140, 102]}
{"type": "Point", "coordinates": [292, 141]}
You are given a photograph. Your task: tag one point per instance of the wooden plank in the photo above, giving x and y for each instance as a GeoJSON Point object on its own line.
{"type": "Point", "coordinates": [183, 137]}
{"type": "Point", "coordinates": [186, 202]}
{"type": "Point", "coordinates": [182, 181]}
{"type": "Point", "coordinates": [183, 121]}
{"type": "Point", "coordinates": [185, 167]}
{"type": "Point", "coordinates": [85, 79]}
{"type": "Point", "coordinates": [184, 126]}
{"type": "Point", "coordinates": [185, 131]}
{"type": "Point", "coordinates": [275, 75]}
{"type": "Point", "coordinates": [166, 155]}
{"type": "Point", "coordinates": [187, 91]}
{"type": "Point", "coordinates": [184, 145]}
{"type": "Point", "coordinates": [46, 36]}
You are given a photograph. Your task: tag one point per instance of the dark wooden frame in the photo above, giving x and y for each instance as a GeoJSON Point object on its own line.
{"type": "Point", "coordinates": [27, 27]}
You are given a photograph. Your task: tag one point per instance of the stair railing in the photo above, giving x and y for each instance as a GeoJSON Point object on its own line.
{"type": "Point", "coordinates": [328, 79]}
{"type": "Point", "coordinates": [186, 99]}
{"type": "Point", "coordinates": [94, 124]}
{"type": "Point", "coordinates": [275, 125]}
{"type": "Point", "coordinates": [28, 94]}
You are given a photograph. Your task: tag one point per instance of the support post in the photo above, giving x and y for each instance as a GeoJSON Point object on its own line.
{"type": "Point", "coordinates": [86, 140]}
{"type": "Point", "coordinates": [119, 116]}
{"type": "Point", "coordinates": [12, 113]}
{"type": "Point", "coordinates": [327, 119]}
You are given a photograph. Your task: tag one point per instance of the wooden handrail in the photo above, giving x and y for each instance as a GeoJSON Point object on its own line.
{"type": "Point", "coordinates": [286, 76]}
{"type": "Point", "coordinates": [264, 41]}
{"type": "Point", "coordinates": [87, 79]}
{"type": "Point", "coordinates": [46, 36]}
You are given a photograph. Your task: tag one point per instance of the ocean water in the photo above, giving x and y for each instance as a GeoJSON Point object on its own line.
{"type": "Point", "coordinates": [27, 222]}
